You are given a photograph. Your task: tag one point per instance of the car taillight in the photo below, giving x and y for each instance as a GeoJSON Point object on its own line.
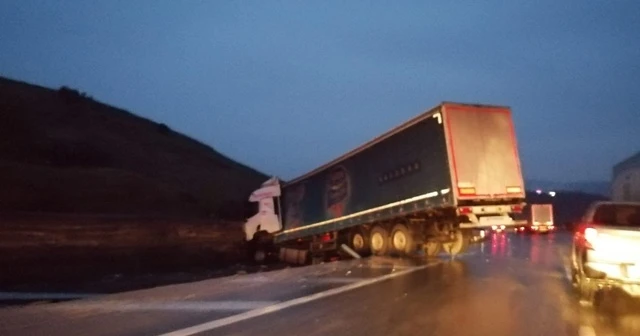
{"type": "Point", "coordinates": [590, 235]}
{"type": "Point", "coordinates": [586, 234]}
{"type": "Point", "coordinates": [516, 208]}
{"type": "Point", "coordinates": [325, 237]}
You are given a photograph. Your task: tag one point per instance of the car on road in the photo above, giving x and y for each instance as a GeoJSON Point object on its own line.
{"type": "Point", "coordinates": [605, 251]}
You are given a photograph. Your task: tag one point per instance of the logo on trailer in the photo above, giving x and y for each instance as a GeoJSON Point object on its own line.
{"type": "Point", "coordinates": [338, 192]}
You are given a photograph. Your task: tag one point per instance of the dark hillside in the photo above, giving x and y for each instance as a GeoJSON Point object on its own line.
{"type": "Point", "coordinates": [568, 206]}
{"type": "Point", "coordinates": [64, 152]}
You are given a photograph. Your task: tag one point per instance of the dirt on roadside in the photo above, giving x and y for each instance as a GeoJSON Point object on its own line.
{"type": "Point", "coordinates": [105, 254]}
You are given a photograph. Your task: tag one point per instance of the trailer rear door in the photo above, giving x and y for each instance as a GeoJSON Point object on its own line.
{"type": "Point", "coordinates": [484, 155]}
{"type": "Point", "coordinates": [542, 214]}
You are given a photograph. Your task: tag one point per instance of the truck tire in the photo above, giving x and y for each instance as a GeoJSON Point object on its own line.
{"type": "Point", "coordinates": [359, 242]}
{"type": "Point", "coordinates": [259, 246]}
{"type": "Point", "coordinates": [259, 256]}
{"type": "Point", "coordinates": [401, 240]}
{"type": "Point", "coordinates": [459, 244]}
{"type": "Point", "coordinates": [379, 241]}
{"type": "Point", "coordinates": [432, 248]}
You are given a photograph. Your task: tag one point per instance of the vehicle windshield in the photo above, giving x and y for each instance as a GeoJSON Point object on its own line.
{"type": "Point", "coordinates": [618, 215]}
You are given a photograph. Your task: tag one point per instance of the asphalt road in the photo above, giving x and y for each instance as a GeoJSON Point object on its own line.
{"type": "Point", "coordinates": [512, 284]}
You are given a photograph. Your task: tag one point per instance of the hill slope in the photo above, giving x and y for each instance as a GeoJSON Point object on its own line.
{"type": "Point", "coordinates": [588, 187]}
{"type": "Point", "coordinates": [63, 152]}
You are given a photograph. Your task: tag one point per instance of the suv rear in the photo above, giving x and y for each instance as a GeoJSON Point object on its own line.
{"type": "Point", "coordinates": [606, 249]}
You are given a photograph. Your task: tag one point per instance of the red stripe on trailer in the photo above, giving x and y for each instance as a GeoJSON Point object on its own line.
{"type": "Point", "coordinates": [445, 108]}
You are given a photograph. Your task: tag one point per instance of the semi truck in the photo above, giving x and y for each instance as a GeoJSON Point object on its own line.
{"type": "Point", "coordinates": [541, 218]}
{"type": "Point", "coordinates": [425, 185]}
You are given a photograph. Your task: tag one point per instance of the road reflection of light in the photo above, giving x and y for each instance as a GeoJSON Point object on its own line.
{"type": "Point", "coordinates": [542, 249]}
{"type": "Point", "coordinates": [535, 250]}
{"type": "Point", "coordinates": [499, 244]}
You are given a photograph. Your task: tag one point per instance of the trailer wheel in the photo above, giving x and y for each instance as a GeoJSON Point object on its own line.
{"type": "Point", "coordinates": [402, 240]}
{"type": "Point", "coordinates": [458, 245]}
{"type": "Point", "coordinates": [432, 248]}
{"type": "Point", "coordinates": [358, 241]}
{"type": "Point", "coordinates": [379, 241]}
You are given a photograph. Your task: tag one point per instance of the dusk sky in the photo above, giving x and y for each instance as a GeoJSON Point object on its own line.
{"type": "Point", "coordinates": [285, 86]}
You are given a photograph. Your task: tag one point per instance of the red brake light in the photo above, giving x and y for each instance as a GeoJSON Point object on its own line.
{"type": "Point", "coordinates": [326, 237]}
{"type": "Point", "coordinates": [465, 211]}
{"type": "Point", "coordinates": [516, 208]}
{"type": "Point", "coordinates": [586, 234]}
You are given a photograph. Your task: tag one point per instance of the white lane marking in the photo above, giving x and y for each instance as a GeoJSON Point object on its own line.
{"type": "Point", "coordinates": [17, 296]}
{"type": "Point", "coordinates": [122, 305]}
{"type": "Point", "coordinates": [330, 280]}
{"type": "Point", "coordinates": [283, 305]}
{"type": "Point", "coordinates": [252, 280]}
{"type": "Point", "coordinates": [383, 266]}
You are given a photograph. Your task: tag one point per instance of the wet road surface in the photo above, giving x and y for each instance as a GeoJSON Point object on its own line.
{"type": "Point", "coordinates": [511, 284]}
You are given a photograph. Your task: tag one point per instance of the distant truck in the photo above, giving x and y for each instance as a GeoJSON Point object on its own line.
{"type": "Point", "coordinates": [541, 218]}
{"type": "Point", "coordinates": [425, 185]}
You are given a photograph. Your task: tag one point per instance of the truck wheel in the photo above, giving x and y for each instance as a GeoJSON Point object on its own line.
{"type": "Point", "coordinates": [358, 242]}
{"type": "Point", "coordinates": [458, 245]}
{"type": "Point", "coordinates": [259, 256]}
{"type": "Point", "coordinates": [402, 240]}
{"type": "Point", "coordinates": [259, 246]}
{"type": "Point", "coordinates": [432, 248]}
{"type": "Point", "coordinates": [379, 241]}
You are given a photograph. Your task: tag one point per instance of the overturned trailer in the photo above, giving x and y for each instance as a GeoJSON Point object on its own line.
{"type": "Point", "coordinates": [424, 185]}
